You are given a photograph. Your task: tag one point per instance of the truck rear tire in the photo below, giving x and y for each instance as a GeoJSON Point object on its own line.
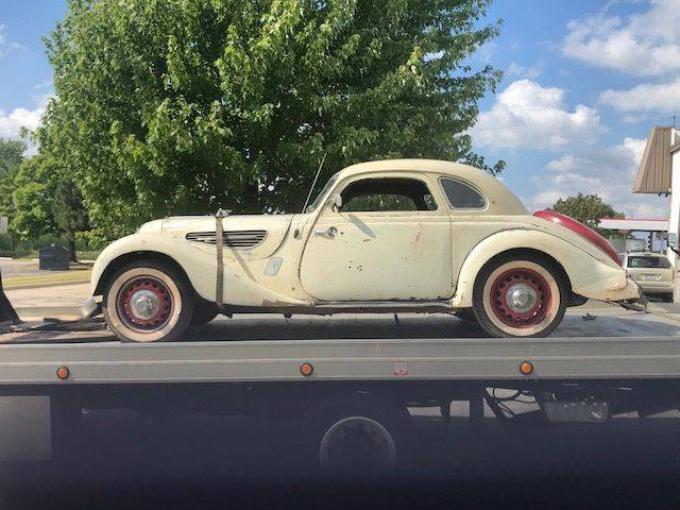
{"type": "Point", "coordinates": [148, 301]}
{"type": "Point", "coordinates": [358, 437]}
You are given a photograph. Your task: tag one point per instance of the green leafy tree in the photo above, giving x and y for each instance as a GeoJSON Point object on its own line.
{"type": "Point", "coordinates": [588, 209]}
{"type": "Point", "coordinates": [480, 162]}
{"type": "Point", "coordinates": [11, 156]}
{"type": "Point", "coordinates": [181, 106]}
{"type": "Point", "coordinates": [47, 202]}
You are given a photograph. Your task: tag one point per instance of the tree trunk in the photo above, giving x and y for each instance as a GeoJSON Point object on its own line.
{"type": "Point", "coordinates": [72, 249]}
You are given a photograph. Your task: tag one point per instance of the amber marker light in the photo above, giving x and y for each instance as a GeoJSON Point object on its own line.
{"type": "Point", "coordinates": [526, 368]}
{"type": "Point", "coordinates": [63, 373]}
{"type": "Point", "coordinates": [306, 369]}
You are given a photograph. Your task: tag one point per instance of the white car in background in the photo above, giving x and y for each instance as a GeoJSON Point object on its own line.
{"type": "Point", "coordinates": [381, 237]}
{"type": "Point", "coordinates": [653, 272]}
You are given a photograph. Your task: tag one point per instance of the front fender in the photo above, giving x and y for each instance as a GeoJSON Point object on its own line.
{"type": "Point", "coordinates": [191, 261]}
{"type": "Point", "coordinates": [200, 265]}
{"type": "Point", "coordinates": [590, 275]}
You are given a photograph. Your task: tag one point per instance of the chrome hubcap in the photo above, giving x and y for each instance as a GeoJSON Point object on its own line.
{"type": "Point", "coordinates": [521, 297]}
{"type": "Point", "coordinates": [144, 304]}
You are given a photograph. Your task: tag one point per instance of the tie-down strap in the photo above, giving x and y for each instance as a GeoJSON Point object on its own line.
{"type": "Point", "coordinates": [219, 243]}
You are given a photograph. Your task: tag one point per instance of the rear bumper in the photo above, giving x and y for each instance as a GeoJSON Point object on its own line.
{"type": "Point", "coordinates": [657, 287]}
{"type": "Point", "coordinates": [630, 292]}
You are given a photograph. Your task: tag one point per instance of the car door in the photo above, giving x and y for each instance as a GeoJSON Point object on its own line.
{"type": "Point", "coordinates": [390, 241]}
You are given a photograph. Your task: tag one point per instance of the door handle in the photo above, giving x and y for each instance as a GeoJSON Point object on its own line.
{"type": "Point", "coordinates": [330, 233]}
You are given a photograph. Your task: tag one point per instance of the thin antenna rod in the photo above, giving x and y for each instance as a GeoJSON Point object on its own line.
{"type": "Point", "coordinates": [316, 178]}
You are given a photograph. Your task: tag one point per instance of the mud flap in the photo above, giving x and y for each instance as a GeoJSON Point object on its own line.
{"type": "Point", "coordinates": [7, 311]}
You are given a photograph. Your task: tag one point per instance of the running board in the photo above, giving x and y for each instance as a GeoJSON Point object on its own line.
{"type": "Point", "coordinates": [354, 307]}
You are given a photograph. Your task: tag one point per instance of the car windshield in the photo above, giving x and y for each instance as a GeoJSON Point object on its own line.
{"type": "Point", "coordinates": [312, 207]}
{"type": "Point", "coordinates": [650, 262]}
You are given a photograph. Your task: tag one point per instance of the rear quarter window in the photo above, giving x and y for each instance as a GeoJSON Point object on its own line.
{"type": "Point", "coordinates": [461, 195]}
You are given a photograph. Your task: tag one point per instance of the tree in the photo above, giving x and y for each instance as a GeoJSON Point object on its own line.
{"type": "Point", "coordinates": [179, 106]}
{"type": "Point", "coordinates": [11, 156]}
{"type": "Point", "coordinates": [47, 202]}
{"type": "Point", "coordinates": [588, 209]}
{"type": "Point", "coordinates": [480, 162]}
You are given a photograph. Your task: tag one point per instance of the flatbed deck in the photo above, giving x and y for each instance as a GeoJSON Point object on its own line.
{"type": "Point", "coordinates": [597, 344]}
{"type": "Point", "coordinates": [482, 359]}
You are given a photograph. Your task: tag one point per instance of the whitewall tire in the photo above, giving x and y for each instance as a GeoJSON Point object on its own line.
{"type": "Point", "coordinates": [147, 301]}
{"type": "Point", "coordinates": [520, 296]}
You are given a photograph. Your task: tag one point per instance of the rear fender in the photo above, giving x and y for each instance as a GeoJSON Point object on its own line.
{"type": "Point", "coordinates": [588, 275]}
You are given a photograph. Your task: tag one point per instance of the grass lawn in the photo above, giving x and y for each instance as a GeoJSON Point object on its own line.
{"type": "Point", "coordinates": [77, 274]}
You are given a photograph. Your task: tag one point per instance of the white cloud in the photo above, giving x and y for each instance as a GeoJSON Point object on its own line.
{"type": "Point", "coordinates": [662, 97]}
{"type": "Point", "coordinates": [12, 122]}
{"type": "Point", "coordinates": [8, 47]}
{"type": "Point", "coordinates": [646, 43]}
{"type": "Point", "coordinates": [606, 171]}
{"type": "Point", "coordinates": [531, 116]}
{"type": "Point", "coordinates": [518, 70]}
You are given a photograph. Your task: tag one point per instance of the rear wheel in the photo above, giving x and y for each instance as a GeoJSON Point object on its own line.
{"type": "Point", "coordinates": [520, 295]}
{"type": "Point", "coordinates": [148, 301]}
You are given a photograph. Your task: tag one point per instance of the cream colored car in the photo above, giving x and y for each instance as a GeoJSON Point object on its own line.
{"type": "Point", "coordinates": [652, 272]}
{"type": "Point", "coordinates": [386, 236]}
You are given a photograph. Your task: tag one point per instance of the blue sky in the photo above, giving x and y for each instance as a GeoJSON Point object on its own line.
{"type": "Point", "coordinates": [584, 82]}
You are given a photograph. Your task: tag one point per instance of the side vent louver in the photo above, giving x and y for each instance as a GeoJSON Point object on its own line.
{"type": "Point", "coordinates": [239, 239]}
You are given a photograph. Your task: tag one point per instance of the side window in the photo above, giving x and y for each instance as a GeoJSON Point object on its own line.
{"type": "Point", "coordinates": [461, 195]}
{"type": "Point", "coordinates": [392, 194]}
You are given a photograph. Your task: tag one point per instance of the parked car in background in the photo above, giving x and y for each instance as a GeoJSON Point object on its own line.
{"type": "Point", "coordinates": [653, 272]}
{"type": "Point", "coordinates": [381, 237]}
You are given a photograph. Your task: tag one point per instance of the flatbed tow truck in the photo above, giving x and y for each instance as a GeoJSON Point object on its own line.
{"type": "Point", "coordinates": [350, 395]}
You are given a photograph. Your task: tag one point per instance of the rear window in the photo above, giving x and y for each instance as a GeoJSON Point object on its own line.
{"type": "Point", "coordinates": [648, 262]}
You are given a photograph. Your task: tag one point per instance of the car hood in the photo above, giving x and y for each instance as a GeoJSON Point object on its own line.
{"type": "Point", "coordinates": [254, 236]}
{"type": "Point", "coordinates": [207, 223]}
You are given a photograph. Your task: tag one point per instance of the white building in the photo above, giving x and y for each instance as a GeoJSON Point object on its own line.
{"type": "Point", "coordinates": [659, 173]}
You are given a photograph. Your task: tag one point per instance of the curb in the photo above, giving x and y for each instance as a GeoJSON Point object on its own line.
{"type": "Point", "coordinates": [38, 313]}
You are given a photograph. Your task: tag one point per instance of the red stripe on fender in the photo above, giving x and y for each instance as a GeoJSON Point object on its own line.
{"type": "Point", "coordinates": [582, 230]}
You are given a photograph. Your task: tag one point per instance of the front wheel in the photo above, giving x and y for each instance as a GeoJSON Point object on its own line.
{"type": "Point", "coordinates": [148, 301]}
{"type": "Point", "coordinates": [520, 295]}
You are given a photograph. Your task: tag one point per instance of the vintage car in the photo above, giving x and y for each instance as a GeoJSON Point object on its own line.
{"type": "Point", "coordinates": [386, 236]}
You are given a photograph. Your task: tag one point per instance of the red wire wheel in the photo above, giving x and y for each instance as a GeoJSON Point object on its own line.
{"type": "Point", "coordinates": [148, 301]}
{"type": "Point", "coordinates": [520, 298]}
{"type": "Point", "coordinates": [145, 303]}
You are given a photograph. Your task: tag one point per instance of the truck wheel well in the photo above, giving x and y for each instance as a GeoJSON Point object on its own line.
{"type": "Point", "coordinates": [518, 252]}
{"type": "Point", "coordinates": [126, 258]}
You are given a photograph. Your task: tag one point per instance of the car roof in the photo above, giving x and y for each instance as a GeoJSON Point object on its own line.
{"type": "Point", "coordinates": [501, 200]}
{"type": "Point", "coordinates": [645, 254]}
